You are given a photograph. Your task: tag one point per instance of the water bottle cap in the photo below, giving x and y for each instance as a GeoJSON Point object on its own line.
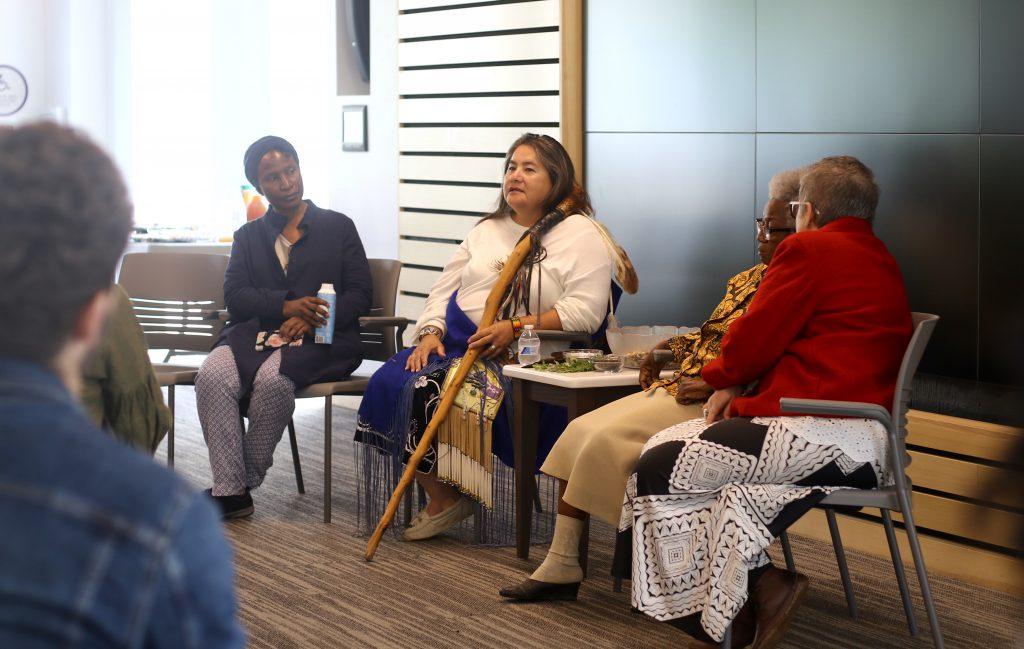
{"type": "Point", "coordinates": [528, 327]}
{"type": "Point", "coordinates": [326, 288]}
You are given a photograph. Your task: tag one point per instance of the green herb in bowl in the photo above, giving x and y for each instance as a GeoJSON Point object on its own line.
{"type": "Point", "coordinates": [566, 367]}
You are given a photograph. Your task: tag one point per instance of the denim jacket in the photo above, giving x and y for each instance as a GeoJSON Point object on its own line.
{"type": "Point", "coordinates": [99, 546]}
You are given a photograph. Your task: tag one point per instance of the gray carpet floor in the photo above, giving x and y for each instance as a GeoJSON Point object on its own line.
{"type": "Point", "coordinates": [302, 583]}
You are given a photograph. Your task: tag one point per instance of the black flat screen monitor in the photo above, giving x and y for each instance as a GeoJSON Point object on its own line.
{"type": "Point", "coordinates": [357, 18]}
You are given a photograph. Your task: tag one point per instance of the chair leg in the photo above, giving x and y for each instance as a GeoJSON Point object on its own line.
{"type": "Point", "coordinates": [787, 552]}
{"type": "Point", "coordinates": [407, 516]}
{"type": "Point", "coordinates": [901, 576]}
{"type": "Point", "coordinates": [170, 431]}
{"type": "Point", "coordinates": [727, 638]}
{"type": "Point", "coordinates": [844, 570]}
{"type": "Point", "coordinates": [478, 523]}
{"type": "Point", "coordinates": [922, 573]}
{"type": "Point", "coordinates": [617, 585]}
{"type": "Point", "coordinates": [584, 547]}
{"type": "Point", "coordinates": [295, 457]}
{"type": "Point", "coordinates": [327, 458]}
{"type": "Point", "coordinates": [536, 497]}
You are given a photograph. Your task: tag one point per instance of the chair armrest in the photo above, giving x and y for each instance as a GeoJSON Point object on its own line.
{"type": "Point", "coordinates": [837, 408]}
{"type": "Point", "coordinates": [565, 336]}
{"type": "Point", "coordinates": [382, 322]}
{"type": "Point", "coordinates": [215, 314]}
{"type": "Point", "coordinates": [379, 322]}
{"type": "Point", "coordinates": [664, 355]}
{"type": "Point", "coordinates": [897, 456]}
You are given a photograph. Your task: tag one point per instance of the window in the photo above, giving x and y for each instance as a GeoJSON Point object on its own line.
{"type": "Point", "coordinates": [209, 78]}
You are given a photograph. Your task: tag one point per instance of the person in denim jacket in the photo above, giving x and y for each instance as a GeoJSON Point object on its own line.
{"type": "Point", "coordinates": [99, 546]}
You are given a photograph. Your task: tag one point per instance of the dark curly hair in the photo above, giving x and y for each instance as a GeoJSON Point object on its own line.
{"type": "Point", "coordinates": [65, 217]}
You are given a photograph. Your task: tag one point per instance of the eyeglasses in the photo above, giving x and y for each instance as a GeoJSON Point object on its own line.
{"type": "Point", "coordinates": [767, 232]}
{"type": "Point", "coordinates": [794, 208]}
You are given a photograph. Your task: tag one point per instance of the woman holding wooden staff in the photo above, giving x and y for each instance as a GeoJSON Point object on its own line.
{"type": "Point", "coordinates": [563, 285]}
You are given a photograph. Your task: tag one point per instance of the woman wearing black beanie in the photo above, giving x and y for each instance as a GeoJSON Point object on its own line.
{"type": "Point", "coordinates": [278, 263]}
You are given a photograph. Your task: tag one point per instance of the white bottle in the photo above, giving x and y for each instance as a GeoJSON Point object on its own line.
{"type": "Point", "coordinates": [529, 346]}
{"type": "Point", "coordinates": [324, 334]}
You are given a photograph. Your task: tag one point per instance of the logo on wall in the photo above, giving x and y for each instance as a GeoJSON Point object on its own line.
{"type": "Point", "coordinates": [13, 90]}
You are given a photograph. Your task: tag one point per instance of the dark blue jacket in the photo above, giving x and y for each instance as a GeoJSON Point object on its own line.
{"type": "Point", "coordinates": [255, 289]}
{"type": "Point", "coordinates": [99, 546]}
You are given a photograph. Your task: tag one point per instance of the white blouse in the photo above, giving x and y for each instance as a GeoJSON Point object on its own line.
{"type": "Point", "coordinates": [574, 278]}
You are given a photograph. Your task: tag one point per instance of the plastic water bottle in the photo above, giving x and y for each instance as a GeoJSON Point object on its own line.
{"type": "Point", "coordinates": [529, 346]}
{"type": "Point", "coordinates": [324, 334]}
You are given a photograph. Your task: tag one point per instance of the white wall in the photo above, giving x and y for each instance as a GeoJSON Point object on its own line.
{"type": "Point", "coordinates": [364, 184]}
{"type": "Point", "coordinates": [76, 55]}
{"type": "Point", "coordinates": [24, 31]}
{"type": "Point", "coordinates": [209, 78]}
{"type": "Point", "coordinates": [93, 43]}
{"type": "Point", "coordinates": [71, 52]}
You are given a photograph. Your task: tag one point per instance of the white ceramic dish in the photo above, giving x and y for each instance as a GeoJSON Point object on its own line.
{"type": "Point", "coordinates": [609, 363]}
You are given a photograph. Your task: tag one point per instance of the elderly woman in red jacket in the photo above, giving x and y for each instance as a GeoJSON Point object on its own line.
{"type": "Point", "coordinates": [830, 321]}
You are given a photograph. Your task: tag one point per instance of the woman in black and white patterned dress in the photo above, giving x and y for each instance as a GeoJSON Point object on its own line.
{"type": "Point", "coordinates": [829, 321]}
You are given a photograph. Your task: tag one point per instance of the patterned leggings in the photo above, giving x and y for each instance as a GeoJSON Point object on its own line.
{"type": "Point", "coordinates": [239, 458]}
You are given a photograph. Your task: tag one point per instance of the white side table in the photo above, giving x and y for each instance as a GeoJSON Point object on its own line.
{"type": "Point", "coordinates": [579, 393]}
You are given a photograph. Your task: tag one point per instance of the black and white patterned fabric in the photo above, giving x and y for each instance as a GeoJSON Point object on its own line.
{"type": "Point", "coordinates": [706, 502]}
{"type": "Point", "coordinates": [240, 458]}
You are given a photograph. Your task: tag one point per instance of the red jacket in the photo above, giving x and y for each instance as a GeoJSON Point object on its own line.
{"type": "Point", "coordinates": [829, 321]}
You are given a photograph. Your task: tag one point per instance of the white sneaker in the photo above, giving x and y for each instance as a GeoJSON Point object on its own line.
{"type": "Point", "coordinates": [425, 526]}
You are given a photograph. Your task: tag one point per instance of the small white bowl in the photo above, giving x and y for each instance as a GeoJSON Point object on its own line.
{"type": "Point", "coordinates": [609, 363]}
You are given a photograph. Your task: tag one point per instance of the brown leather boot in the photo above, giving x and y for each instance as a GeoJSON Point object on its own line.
{"type": "Point", "coordinates": [776, 596]}
{"type": "Point", "coordinates": [743, 627]}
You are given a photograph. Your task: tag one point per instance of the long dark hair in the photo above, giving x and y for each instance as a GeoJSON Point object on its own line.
{"type": "Point", "coordinates": [566, 197]}
{"type": "Point", "coordinates": [556, 161]}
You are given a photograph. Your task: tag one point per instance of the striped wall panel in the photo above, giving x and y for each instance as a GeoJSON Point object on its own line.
{"type": "Point", "coordinates": [538, 47]}
{"type": "Point", "coordinates": [471, 79]}
{"type": "Point", "coordinates": [451, 168]}
{"type": "Point", "coordinates": [465, 139]}
{"type": "Point", "coordinates": [411, 306]}
{"type": "Point", "coordinates": [501, 78]}
{"type": "Point", "coordinates": [412, 5]}
{"type": "Point", "coordinates": [449, 198]}
{"type": "Point", "coordinates": [425, 253]}
{"type": "Point", "coordinates": [540, 14]}
{"type": "Point", "coordinates": [419, 280]}
{"type": "Point", "coordinates": [452, 227]}
{"type": "Point", "coordinates": [541, 110]}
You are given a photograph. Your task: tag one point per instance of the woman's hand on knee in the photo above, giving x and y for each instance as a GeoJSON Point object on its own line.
{"type": "Point", "coordinates": [692, 390]}
{"type": "Point", "coordinates": [429, 344]}
{"type": "Point", "coordinates": [717, 406]}
{"type": "Point", "coordinates": [295, 328]}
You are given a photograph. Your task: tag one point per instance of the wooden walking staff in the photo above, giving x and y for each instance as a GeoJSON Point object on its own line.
{"type": "Point", "coordinates": [491, 306]}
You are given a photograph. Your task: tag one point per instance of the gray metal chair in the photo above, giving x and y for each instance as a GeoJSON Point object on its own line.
{"type": "Point", "coordinates": [893, 498]}
{"type": "Point", "coordinates": [381, 333]}
{"type": "Point", "coordinates": [178, 298]}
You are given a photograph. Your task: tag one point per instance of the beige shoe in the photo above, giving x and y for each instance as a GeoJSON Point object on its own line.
{"type": "Point", "coordinates": [418, 519]}
{"type": "Point", "coordinates": [425, 526]}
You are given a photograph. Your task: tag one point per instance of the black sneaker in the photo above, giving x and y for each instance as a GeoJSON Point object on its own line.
{"type": "Point", "coordinates": [238, 506]}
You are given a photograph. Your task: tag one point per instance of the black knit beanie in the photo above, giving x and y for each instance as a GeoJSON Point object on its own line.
{"type": "Point", "coordinates": [260, 148]}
